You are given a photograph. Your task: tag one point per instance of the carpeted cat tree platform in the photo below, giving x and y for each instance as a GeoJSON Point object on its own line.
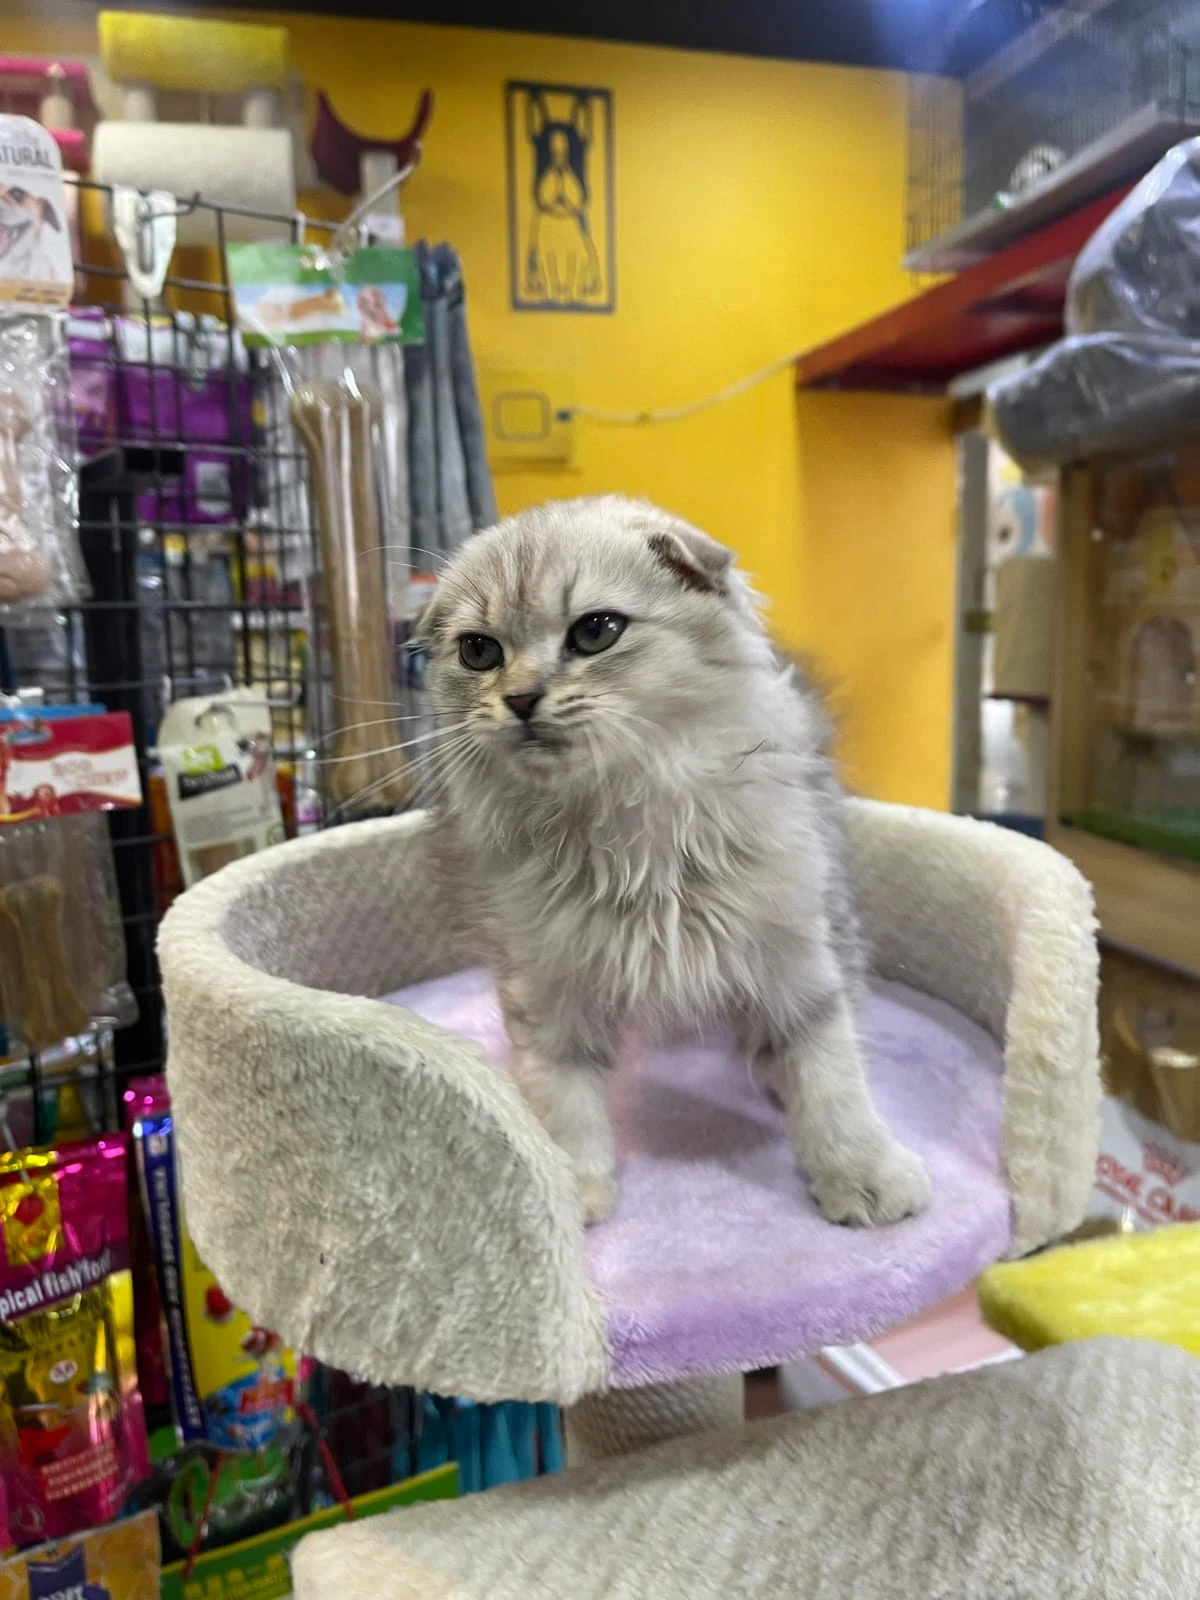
{"type": "Point", "coordinates": [365, 1178]}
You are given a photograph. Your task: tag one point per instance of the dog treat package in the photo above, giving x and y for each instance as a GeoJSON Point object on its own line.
{"type": "Point", "coordinates": [62, 946]}
{"type": "Point", "coordinates": [120, 1562]}
{"type": "Point", "coordinates": [219, 769]}
{"type": "Point", "coordinates": [40, 564]}
{"type": "Point", "coordinates": [72, 1436]}
{"type": "Point", "coordinates": [233, 1385]}
{"type": "Point", "coordinates": [289, 295]}
{"type": "Point", "coordinates": [334, 325]}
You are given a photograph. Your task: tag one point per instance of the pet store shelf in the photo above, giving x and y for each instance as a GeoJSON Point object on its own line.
{"type": "Point", "coordinates": [1119, 156]}
{"type": "Point", "coordinates": [996, 309]}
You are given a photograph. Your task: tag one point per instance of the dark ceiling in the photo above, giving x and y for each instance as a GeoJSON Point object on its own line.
{"type": "Point", "coordinates": [917, 35]}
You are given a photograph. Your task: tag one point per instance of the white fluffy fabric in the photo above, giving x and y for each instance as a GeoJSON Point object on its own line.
{"type": "Point", "coordinates": [359, 1180]}
{"type": "Point", "coordinates": [1003, 929]}
{"type": "Point", "coordinates": [1065, 1476]}
{"type": "Point", "coordinates": [370, 1186]}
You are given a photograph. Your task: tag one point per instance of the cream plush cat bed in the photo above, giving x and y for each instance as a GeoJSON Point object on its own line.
{"type": "Point", "coordinates": [364, 1177]}
{"type": "Point", "coordinates": [1065, 1476]}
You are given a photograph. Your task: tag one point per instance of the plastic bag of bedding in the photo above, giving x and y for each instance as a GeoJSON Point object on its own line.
{"type": "Point", "coordinates": [1097, 394]}
{"type": "Point", "coordinates": [1139, 273]}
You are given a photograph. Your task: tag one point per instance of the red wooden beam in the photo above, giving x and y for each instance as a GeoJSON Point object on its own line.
{"type": "Point", "coordinates": [1011, 302]}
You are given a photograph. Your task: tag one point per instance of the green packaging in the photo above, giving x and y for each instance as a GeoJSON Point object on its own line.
{"type": "Point", "coordinates": [285, 294]}
{"type": "Point", "coordinates": [260, 1568]}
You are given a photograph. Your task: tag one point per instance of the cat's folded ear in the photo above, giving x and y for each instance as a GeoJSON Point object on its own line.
{"type": "Point", "coordinates": [696, 560]}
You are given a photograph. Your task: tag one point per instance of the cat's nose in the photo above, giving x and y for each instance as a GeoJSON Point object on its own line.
{"type": "Point", "coordinates": [522, 705]}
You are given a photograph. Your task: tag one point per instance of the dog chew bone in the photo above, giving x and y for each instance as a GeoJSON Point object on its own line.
{"type": "Point", "coordinates": [337, 423]}
{"type": "Point", "coordinates": [39, 995]}
{"type": "Point", "coordinates": [24, 571]}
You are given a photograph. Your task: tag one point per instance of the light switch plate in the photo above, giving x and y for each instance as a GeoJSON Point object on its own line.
{"type": "Point", "coordinates": [527, 416]}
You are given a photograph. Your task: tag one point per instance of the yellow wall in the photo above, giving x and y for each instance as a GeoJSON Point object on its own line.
{"type": "Point", "coordinates": [877, 581]}
{"type": "Point", "coordinates": [759, 210]}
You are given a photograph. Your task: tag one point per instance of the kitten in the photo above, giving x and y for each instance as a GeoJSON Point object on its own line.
{"type": "Point", "coordinates": [643, 803]}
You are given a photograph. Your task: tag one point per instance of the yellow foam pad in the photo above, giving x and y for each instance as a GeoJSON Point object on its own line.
{"type": "Point", "coordinates": [180, 53]}
{"type": "Point", "coordinates": [1136, 1285]}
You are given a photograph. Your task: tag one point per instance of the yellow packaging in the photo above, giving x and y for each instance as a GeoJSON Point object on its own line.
{"type": "Point", "coordinates": [232, 1383]}
{"type": "Point", "coordinates": [244, 1378]}
{"type": "Point", "coordinates": [120, 1562]}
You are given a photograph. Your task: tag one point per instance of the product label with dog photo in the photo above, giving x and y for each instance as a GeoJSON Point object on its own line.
{"type": "Point", "coordinates": [285, 295]}
{"type": "Point", "coordinates": [35, 241]}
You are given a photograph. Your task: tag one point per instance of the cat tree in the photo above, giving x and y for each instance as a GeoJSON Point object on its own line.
{"type": "Point", "coordinates": [366, 1179]}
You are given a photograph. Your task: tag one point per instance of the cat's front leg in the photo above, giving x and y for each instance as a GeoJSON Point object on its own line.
{"type": "Point", "coordinates": [857, 1172]}
{"type": "Point", "coordinates": [562, 1068]}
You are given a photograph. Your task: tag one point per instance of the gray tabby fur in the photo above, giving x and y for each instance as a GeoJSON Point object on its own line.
{"type": "Point", "coordinates": [661, 844]}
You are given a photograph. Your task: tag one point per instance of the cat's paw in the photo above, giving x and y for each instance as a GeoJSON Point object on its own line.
{"type": "Point", "coordinates": [597, 1196]}
{"type": "Point", "coordinates": [883, 1187]}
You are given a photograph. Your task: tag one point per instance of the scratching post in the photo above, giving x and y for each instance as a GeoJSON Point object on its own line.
{"type": "Point", "coordinates": [58, 94]}
{"type": "Point", "coordinates": [250, 165]}
{"type": "Point", "coordinates": [1065, 1476]}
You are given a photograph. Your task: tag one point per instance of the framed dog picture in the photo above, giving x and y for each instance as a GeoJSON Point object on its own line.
{"type": "Point", "coordinates": [562, 249]}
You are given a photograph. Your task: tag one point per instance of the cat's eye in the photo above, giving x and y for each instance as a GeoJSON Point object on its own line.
{"type": "Point", "coordinates": [480, 653]}
{"type": "Point", "coordinates": [595, 632]}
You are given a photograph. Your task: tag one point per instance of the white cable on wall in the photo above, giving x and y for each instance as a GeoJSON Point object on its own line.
{"type": "Point", "coordinates": [692, 408]}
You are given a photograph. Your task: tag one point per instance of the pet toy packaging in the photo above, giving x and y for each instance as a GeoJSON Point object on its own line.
{"type": "Point", "coordinates": [219, 771]}
{"type": "Point", "coordinates": [120, 1562]}
{"type": "Point", "coordinates": [233, 1385]}
{"type": "Point", "coordinates": [39, 561]}
{"type": "Point", "coordinates": [72, 1437]}
{"type": "Point", "coordinates": [62, 949]}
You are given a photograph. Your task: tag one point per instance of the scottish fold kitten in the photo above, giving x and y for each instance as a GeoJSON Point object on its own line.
{"type": "Point", "coordinates": [641, 799]}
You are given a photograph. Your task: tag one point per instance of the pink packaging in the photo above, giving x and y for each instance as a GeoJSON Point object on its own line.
{"type": "Point", "coordinates": [72, 1434]}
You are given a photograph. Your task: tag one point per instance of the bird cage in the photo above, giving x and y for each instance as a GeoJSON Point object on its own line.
{"type": "Point", "coordinates": [1087, 96]}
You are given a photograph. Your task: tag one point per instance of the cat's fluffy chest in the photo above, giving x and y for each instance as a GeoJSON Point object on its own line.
{"type": "Point", "coordinates": [663, 927]}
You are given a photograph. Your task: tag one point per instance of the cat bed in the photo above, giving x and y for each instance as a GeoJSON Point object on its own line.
{"type": "Point", "coordinates": [1065, 1476]}
{"type": "Point", "coordinates": [1139, 1285]}
{"type": "Point", "coordinates": [364, 1179]}
{"type": "Point", "coordinates": [716, 1259]}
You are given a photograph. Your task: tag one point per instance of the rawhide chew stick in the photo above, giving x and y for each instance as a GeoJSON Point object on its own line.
{"type": "Point", "coordinates": [39, 994]}
{"type": "Point", "coordinates": [337, 421]}
{"type": "Point", "coordinates": [24, 571]}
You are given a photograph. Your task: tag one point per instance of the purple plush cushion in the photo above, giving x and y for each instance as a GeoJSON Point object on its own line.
{"type": "Point", "coordinates": [716, 1259]}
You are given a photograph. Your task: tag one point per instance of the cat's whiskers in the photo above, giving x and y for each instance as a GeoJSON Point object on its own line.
{"type": "Point", "coordinates": [374, 722]}
{"type": "Point", "coordinates": [391, 749]}
{"type": "Point", "coordinates": [415, 769]}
